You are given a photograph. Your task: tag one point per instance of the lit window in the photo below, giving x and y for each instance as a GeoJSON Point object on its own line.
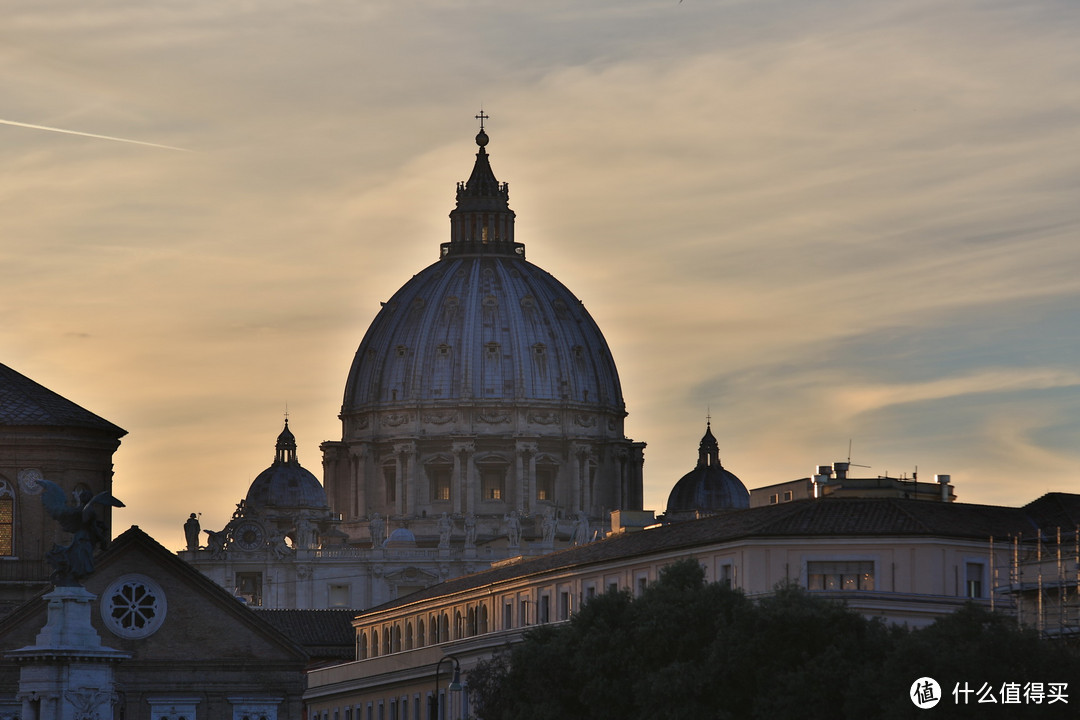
{"type": "Point", "coordinates": [439, 475]}
{"type": "Point", "coordinates": [493, 482]}
{"type": "Point", "coordinates": [7, 519]}
{"type": "Point", "coordinates": [545, 482]}
{"type": "Point", "coordinates": [840, 575]}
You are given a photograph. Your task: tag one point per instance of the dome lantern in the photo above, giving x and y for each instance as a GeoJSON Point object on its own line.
{"type": "Point", "coordinates": [482, 223]}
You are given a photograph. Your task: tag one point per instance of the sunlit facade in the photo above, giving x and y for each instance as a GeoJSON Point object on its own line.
{"type": "Point", "coordinates": [903, 560]}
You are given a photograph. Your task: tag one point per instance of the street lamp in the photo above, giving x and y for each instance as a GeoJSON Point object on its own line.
{"type": "Point", "coordinates": [454, 686]}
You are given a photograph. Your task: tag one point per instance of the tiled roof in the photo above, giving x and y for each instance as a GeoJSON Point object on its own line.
{"type": "Point", "coordinates": [840, 517]}
{"type": "Point", "coordinates": [25, 402]}
{"type": "Point", "coordinates": [323, 633]}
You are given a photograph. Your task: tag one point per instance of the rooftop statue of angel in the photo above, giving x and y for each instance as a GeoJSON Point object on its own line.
{"type": "Point", "coordinates": [75, 561]}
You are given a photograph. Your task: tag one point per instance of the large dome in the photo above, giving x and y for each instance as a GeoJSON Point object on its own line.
{"type": "Point", "coordinates": [487, 328]}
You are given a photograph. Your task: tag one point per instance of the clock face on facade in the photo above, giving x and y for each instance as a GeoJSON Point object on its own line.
{"type": "Point", "coordinates": [249, 536]}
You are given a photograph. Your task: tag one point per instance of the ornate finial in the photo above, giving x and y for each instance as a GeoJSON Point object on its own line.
{"type": "Point", "coordinates": [708, 417]}
{"type": "Point", "coordinates": [286, 414]}
{"type": "Point", "coordinates": [481, 137]}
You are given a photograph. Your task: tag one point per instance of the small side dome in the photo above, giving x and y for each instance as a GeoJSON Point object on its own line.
{"type": "Point", "coordinates": [709, 487]}
{"type": "Point", "coordinates": [286, 484]}
{"type": "Point", "coordinates": [400, 538]}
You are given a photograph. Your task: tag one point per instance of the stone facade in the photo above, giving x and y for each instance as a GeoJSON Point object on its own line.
{"type": "Point", "coordinates": [190, 646]}
{"type": "Point", "coordinates": [43, 435]}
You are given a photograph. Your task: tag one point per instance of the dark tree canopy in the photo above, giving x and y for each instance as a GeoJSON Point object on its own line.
{"type": "Point", "coordinates": [688, 649]}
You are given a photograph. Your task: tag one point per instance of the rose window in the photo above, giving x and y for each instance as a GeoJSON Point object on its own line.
{"type": "Point", "coordinates": [133, 606]}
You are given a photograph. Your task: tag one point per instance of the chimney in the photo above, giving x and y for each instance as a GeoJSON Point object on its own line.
{"type": "Point", "coordinates": [943, 481]}
{"type": "Point", "coordinates": [819, 479]}
{"type": "Point", "coordinates": [841, 469]}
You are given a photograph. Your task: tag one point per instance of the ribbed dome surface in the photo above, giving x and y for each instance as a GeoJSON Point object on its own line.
{"type": "Point", "coordinates": [285, 484]}
{"type": "Point", "coordinates": [708, 487]}
{"type": "Point", "coordinates": [476, 327]}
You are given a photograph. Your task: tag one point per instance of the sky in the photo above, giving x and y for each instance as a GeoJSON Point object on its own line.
{"type": "Point", "coordinates": [829, 225]}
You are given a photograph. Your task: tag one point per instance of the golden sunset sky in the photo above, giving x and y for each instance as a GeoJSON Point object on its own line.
{"type": "Point", "coordinates": [819, 222]}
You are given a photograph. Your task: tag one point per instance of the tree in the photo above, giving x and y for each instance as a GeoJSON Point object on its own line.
{"type": "Point", "coordinates": [688, 649]}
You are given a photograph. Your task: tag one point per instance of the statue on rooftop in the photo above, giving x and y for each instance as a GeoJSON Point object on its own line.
{"type": "Point", "coordinates": [75, 561]}
{"type": "Point", "coordinates": [192, 532]}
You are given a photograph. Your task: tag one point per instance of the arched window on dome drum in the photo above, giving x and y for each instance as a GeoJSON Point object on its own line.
{"type": "Point", "coordinates": [408, 636]}
{"type": "Point", "coordinates": [362, 646]}
{"type": "Point", "coordinates": [492, 481]}
{"type": "Point", "coordinates": [483, 613]}
{"type": "Point", "coordinates": [374, 643]}
{"type": "Point", "coordinates": [439, 477]}
{"type": "Point", "coordinates": [390, 482]}
{"type": "Point", "coordinates": [395, 639]}
{"type": "Point", "coordinates": [444, 628]}
{"type": "Point", "coordinates": [420, 640]}
{"type": "Point", "coordinates": [387, 642]}
{"type": "Point", "coordinates": [546, 473]}
{"type": "Point", "coordinates": [470, 622]}
{"type": "Point", "coordinates": [459, 625]}
{"type": "Point", "coordinates": [7, 519]}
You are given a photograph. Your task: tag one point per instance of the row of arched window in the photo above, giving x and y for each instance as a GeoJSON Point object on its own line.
{"type": "Point", "coordinates": [396, 637]}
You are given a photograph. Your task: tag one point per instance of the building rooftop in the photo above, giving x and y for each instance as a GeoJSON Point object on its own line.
{"type": "Point", "coordinates": [25, 402]}
{"type": "Point", "coordinates": [852, 517]}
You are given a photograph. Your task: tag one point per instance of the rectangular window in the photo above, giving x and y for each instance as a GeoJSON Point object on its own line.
{"type": "Point", "coordinates": [390, 480]}
{"type": "Point", "coordinates": [440, 482]}
{"type": "Point", "coordinates": [508, 616]}
{"type": "Point", "coordinates": [590, 592]}
{"type": "Point", "coordinates": [545, 482]}
{"type": "Point", "coordinates": [787, 496]}
{"type": "Point", "coordinates": [774, 498]}
{"type": "Point", "coordinates": [492, 483]}
{"type": "Point", "coordinates": [7, 526]}
{"type": "Point", "coordinates": [523, 613]}
{"type": "Point", "coordinates": [338, 595]}
{"type": "Point", "coordinates": [973, 580]}
{"type": "Point", "coordinates": [842, 575]}
{"type": "Point", "coordinates": [249, 587]}
{"type": "Point", "coordinates": [564, 605]}
{"type": "Point", "coordinates": [726, 576]}
{"type": "Point", "coordinates": [642, 584]}
{"type": "Point", "coordinates": [613, 586]}
{"type": "Point", "coordinates": [545, 608]}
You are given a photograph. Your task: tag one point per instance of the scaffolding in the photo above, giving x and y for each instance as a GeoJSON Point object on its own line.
{"type": "Point", "coordinates": [1036, 578]}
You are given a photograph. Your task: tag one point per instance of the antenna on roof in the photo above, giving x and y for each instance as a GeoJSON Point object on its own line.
{"type": "Point", "coordinates": [851, 464]}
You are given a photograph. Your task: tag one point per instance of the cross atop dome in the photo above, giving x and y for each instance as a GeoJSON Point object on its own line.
{"type": "Point", "coordinates": [482, 117]}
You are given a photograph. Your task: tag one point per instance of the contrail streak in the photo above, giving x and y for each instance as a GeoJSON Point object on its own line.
{"type": "Point", "coordinates": [91, 135]}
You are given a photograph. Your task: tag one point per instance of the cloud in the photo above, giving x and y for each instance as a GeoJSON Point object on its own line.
{"type": "Point", "coordinates": [822, 221]}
